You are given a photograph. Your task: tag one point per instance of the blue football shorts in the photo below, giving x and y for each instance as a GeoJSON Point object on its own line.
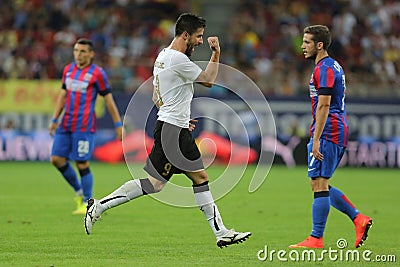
{"type": "Point", "coordinates": [332, 155]}
{"type": "Point", "coordinates": [73, 145]}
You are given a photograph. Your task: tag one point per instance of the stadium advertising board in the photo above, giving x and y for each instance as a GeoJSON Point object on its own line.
{"type": "Point", "coordinates": [27, 105]}
{"type": "Point", "coordinates": [374, 126]}
{"type": "Point", "coordinates": [22, 96]}
{"type": "Point", "coordinates": [374, 131]}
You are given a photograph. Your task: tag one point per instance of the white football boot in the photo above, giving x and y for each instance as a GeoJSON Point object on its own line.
{"type": "Point", "coordinates": [93, 214]}
{"type": "Point", "coordinates": [232, 237]}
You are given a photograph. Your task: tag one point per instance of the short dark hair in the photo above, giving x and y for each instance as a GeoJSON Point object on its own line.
{"type": "Point", "coordinates": [189, 23]}
{"type": "Point", "coordinates": [320, 33]}
{"type": "Point", "coordinates": [85, 41]}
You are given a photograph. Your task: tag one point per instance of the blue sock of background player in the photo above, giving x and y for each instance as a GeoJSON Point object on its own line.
{"type": "Point", "coordinates": [70, 176]}
{"type": "Point", "coordinates": [341, 203]}
{"type": "Point", "coordinates": [87, 183]}
{"type": "Point", "coordinates": [320, 210]}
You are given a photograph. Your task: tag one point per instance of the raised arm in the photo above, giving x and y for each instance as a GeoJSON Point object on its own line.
{"type": "Point", "coordinates": [208, 76]}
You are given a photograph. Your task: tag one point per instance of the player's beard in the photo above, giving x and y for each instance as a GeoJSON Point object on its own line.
{"type": "Point", "coordinates": [189, 49]}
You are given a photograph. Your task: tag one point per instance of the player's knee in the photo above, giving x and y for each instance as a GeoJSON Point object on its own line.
{"type": "Point", "coordinates": [82, 164]}
{"type": "Point", "coordinates": [158, 186]}
{"type": "Point", "coordinates": [151, 185]}
{"type": "Point", "coordinates": [314, 188]}
{"type": "Point", "coordinates": [319, 184]}
{"type": "Point", "coordinates": [53, 161]}
{"type": "Point", "coordinates": [203, 177]}
{"type": "Point", "coordinates": [200, 178]}
{"type": "Point", "coordinates": [57, 161]}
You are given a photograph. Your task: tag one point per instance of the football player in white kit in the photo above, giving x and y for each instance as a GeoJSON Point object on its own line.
{"type": "Point", "coordinates": [174, 150]}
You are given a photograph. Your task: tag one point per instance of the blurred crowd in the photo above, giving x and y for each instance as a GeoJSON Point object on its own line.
{"type": "Point", "coordinates": [37, 36]}
{"type": "Point", "coordinates": [263, 40]}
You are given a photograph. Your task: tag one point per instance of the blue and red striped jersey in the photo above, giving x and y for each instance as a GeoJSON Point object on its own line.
{"type": "Point", "coordinates": [82, 86]}
{"type": "Point", "coordinates": [328, 78]}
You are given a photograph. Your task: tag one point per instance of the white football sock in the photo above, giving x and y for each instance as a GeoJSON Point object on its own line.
{"type": "Point", "coordinates": [206, 204]}
{"type": "Point", "coordinates": [128, 191]}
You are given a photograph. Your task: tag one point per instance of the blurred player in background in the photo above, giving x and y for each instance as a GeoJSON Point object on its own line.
{"type": "Point", "coordinates": [329, 137]}
{"type": "Point", "coordinates": [74, 137]}
{"type": "Point", "coordinates": [174, 150]}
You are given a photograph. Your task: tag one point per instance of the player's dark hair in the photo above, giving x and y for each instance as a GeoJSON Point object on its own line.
{"type": "Point", "coordinates": [189, 23]}
{"type": "Point", "coordinates": [85, 41]}
{"type": "Point", "coordinates": [320, 33]}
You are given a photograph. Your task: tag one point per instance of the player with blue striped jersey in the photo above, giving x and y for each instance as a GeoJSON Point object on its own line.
{"type": "Point", "coordinates": [329, 137]}
{"type": "Point", "coordinates": [82, 81]}
{"type": "Point", "coordinates": [328, 79]}
{"type": "Point", "coordinates": [82, 86]}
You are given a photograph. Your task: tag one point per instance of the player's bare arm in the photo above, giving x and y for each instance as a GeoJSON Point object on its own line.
{"type": "Point", "coordinates": [57, 111]}
{"type": "Point", "coordinates": [156, 98]}
{"type": "Point", "coordinates": [112, 108]}
{"type": "Point", "coordinates": [208, 76]}
{"type": "Point", "coordinates": [320, 120]}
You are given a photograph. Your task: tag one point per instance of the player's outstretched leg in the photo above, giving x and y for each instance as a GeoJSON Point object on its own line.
{"type": "Point", "coordinates": [130, 190]}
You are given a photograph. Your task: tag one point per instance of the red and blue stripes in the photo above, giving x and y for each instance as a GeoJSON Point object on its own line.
{"type": "Point", "coordinates": [82, 87]}
{"type": "Point", "coordinates": [328, 75]}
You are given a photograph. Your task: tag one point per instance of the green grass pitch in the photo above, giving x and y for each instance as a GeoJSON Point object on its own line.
{"type": "Point", "coordinates": [38, 229]}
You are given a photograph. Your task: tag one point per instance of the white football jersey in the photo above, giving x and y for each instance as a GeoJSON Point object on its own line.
{"type": "Point", "coordinates": [173, 77]}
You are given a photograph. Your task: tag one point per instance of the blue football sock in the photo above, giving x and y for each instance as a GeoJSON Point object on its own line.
{"type": "Point", "coordinates": [70, 176]}
{"type": "Point", "coordinates": [87, 183]}
{"type": "Point", "coordinates": [320, 211]}
{"type": "Point", "coordinates": [341, 203]}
